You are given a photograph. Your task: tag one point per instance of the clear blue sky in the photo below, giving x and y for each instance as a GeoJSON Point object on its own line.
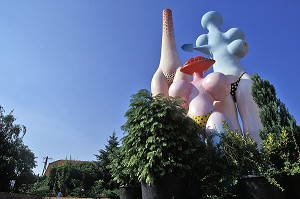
{"type": "Point", "coordinates": [68, 68]}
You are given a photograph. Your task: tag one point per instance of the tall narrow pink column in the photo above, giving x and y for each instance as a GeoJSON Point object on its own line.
{"type": "Point", "coordinates": [169, 59]}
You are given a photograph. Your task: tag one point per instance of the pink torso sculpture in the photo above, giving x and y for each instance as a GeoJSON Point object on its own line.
{"type": "Point", "coordinates": [201, 93]}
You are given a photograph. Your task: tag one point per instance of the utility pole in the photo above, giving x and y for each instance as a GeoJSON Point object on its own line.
{"type": "Point", "coordinates": [45, 164]}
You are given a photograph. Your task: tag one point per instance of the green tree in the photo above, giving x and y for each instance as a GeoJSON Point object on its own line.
{"type": "Point", "coordinates": [80, 179]}
{"type": "Point", "coordinates": [40, 187]}
{"type": "Point", "coordinates": [16, 159]}
{"type": "Point", "coordinates": [118, 169]}
{"type": "Point", "coordinates": [160, 139]}
{"type": "Point", "coordinates": [74, 178]}
{"type": "Point", "coordinates": [280, 136]}
{"type": "Point", "coordinates": [273, 112]}
{"type": "Point", "coordinates": [104, 161]}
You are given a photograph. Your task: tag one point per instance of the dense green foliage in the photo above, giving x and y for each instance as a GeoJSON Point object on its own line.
{"type": "Point", "coordinates": [80, 179]}
{"type": "Point", "coordinates": [160, 139]}
{"type": "Point", "coordinates": [109, 186]}
{"type": "Point", "coordinates": [221, 165]}
{"type": "Point", "coordinates": [280, 136]}
{"type": "Point", "coordinates": [74, 178]}
{"type": "Point", "coordinates": [118, 169]}
{"type": "Point", "coordinates": [16, 159]}
{"type": "Point", "coordinates": [241, 153]}
{"type": "Point", "coordinates": [237, 155]}
{"type": "Point", "coordinates": [40, 188]}
{"type": "Point", "coordinates": [273, 113]}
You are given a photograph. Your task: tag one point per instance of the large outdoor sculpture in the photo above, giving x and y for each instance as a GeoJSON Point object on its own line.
{"type": "Point", "coordinates": [227, 49]}
{"type": "Point", "coordinates": [201, 93]}
{"type": "Point", "coordinates": [169, 59]}
{"type": "Point", "coordinates": [171, 79]}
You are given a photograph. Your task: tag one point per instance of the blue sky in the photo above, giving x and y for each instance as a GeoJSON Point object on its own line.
{"type": "Point", "coordinates": [68, 68]}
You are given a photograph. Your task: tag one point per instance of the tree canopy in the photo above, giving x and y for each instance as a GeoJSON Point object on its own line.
{"type": "Point", "coordinates": [281, 135]}
{"type": "Point", "coordinates": [108, 185]}
{"type": "Point", "coordinates": [75, 178]}
{"type": "Point", "coordinates": [16, 159]}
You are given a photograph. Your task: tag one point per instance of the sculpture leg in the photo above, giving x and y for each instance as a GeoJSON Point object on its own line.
{"type": "Point", "coordinates": [159, 84]}
{"type": "Point", "coordinates": [215, 124]}
{"type": "Point", "coordinates": [228, 107]}
{"type": "Point", "coordinates": [169, 59]}
{"type": "Point", "coordinates": [248, 110]}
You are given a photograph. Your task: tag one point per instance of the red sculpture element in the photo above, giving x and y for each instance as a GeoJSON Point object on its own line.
{"type": "Point", "coordinates": [197, 64]}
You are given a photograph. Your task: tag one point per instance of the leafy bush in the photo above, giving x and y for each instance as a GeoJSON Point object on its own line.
{"type": "Point", "coordinates": [118, 169]}
{"type": "Point", "coordinates": [41, 188]}
{"type": "Point", "coordinates": [240, 152]}
{"type": "Point", "coordinates": [222, 165]}
{"type": "Point", "coordinates": [160, 139]}
{"type": "Point", "coordinates": [73, 178]}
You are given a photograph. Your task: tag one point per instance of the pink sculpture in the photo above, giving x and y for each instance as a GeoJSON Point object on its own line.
{"type": "Point", "coordinates": [169, 59]}
{"type": "Point", "coordinates": [201, 93]}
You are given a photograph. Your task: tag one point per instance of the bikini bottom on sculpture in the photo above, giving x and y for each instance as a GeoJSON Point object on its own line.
{"type": "Point", "coordinates": [234, 87]}
{"type": "Point", "coordinates": [169, 77]}
{"type": "Point", "coordinates": [202, 120]}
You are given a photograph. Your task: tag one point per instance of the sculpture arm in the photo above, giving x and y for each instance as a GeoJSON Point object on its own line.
{"type": "Point", "coordinates": [202, 44]}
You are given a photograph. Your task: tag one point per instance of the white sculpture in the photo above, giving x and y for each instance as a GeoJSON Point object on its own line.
{"type": "Point", "coordinates": [227, 49]}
